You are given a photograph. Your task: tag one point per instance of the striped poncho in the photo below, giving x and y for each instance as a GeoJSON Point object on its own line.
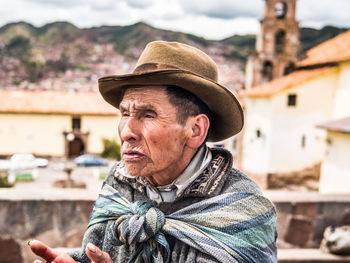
{"type": "Point", "coordinates": [231, 227]}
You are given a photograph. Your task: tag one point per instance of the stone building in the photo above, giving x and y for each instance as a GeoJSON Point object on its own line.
{"type": "Point", "coordinates": [281, 134]}
{"type": "Point", "coordinates": [55, 123]}
{"type": "Point", "coordinates": [277, 44]}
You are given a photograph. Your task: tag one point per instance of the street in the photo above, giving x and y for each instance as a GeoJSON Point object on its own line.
{"type": "Point", "coordinates": [42, 186]}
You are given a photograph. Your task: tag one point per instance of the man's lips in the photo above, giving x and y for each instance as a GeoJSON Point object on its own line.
{"type": "Point", "coordinates": [132, 155]}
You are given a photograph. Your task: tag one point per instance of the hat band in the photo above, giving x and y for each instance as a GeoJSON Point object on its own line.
{"type": "Point", "coordinates": [148, 67]}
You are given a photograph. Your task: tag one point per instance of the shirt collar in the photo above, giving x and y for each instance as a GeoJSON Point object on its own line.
{"type": "Point", "coordinates": [198, 163]}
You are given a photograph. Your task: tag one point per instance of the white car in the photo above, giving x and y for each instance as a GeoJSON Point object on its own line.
{"type": "Point", "coordinates": [22, 161]}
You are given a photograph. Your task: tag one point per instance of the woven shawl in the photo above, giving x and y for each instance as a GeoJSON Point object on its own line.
{"type": "Point", "coordinates": [231, 227]}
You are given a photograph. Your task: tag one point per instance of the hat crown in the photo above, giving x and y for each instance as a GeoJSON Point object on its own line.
{"type": "Point", "coordinates": [179, 56]}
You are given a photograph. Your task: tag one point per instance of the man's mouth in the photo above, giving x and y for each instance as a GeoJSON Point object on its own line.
{"type": "Point", "coordinates": [132, 155]}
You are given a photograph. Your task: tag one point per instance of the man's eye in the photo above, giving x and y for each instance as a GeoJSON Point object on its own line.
{"type": "Point", "coordinates": [125, 114]}
{"type": "Point", "coordinates": [150, 116]}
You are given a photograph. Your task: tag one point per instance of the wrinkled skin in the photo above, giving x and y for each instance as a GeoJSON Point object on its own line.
{"type": "Point", "coordinates": [154, 145]}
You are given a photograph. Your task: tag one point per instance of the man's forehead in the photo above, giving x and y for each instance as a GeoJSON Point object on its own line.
{"type": "Point", "coordinates": [143, 96]}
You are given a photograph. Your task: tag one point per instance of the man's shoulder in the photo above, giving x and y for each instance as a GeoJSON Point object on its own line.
{"type": "Point", "coordinates": [237, 181]}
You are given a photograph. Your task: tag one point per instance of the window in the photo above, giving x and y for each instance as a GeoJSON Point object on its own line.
{"type": "Point", "coordinates": [289, 69]}
{"type": "Point", "coordinates": [76, 123]}
{"type": "Point", "coordinates": [258, 133]}
{"type": "Point", "coordinates": [279, 41]}
{"type": "Point", "coordinates": [303, 141]}
{"type": "Point", "coordinates": [280, 10]}
{"type": "Point", "coordinates": [267, 71]}
{"type": "Point", "coordinates": [292, 100]}
{"type": "Point", "coordinates": [234, 145]}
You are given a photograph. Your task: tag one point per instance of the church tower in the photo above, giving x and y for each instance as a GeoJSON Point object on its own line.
{"type": "Point", "coordinates": [276, 45]}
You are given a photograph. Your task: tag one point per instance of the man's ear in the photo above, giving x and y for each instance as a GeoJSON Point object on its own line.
{"type": "Point", "coordinates": [200, 126]}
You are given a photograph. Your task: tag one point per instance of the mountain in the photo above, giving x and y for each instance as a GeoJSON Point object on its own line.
{"type": "Point", "coordinates": [310, 37]}
{"type": "Point", "coordinates": [138, 35]}
{"type": "Point", "coordinates": [30, 54]}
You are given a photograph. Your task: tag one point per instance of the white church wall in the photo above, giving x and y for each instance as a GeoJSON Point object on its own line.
{"type": "Point", "coordinates": [296, 141]}
{"type": "Point", "coordinates": [342, 98]}
{"type": "Point", "coordinates": [335, 170]}
{"type": "Point", "coordinates": [256, 135]}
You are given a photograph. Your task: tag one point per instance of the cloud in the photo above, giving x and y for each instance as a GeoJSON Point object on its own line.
{"type": "Point", "coordinates": [207, 27]}
{"type": "Point", "coordinates": [224, 9]}
{"type": "Point", "coordinates": [102, 5]}
{"type": "Point", "coordinates": [316, 13]}
{"type": "Point", "coordinates": [58, 3]}
{"type": "Point", "coordinates": [140, 3]}
{"type": "Point", "coordinates": [208, 18]}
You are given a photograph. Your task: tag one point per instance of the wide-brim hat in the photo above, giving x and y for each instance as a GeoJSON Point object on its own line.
{"type": "Point", "coordinates": [172, 63]}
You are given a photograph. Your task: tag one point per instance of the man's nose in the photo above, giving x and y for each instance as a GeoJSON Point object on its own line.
{"type": "Point", "coordinates": [129, 129]}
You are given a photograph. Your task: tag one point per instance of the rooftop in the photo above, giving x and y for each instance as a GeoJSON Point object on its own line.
{"type": "Point", "coordinates": [58, 102]}
{"type": "Point", "coordinates": [334, 50]}
{"type": "Point", "coordinates": [340, 125]}
{"type": "Point", "coordinates": [285, 82]}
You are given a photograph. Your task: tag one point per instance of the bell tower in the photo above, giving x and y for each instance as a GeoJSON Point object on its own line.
{"type": "Point", "coordinates": [276, 45]}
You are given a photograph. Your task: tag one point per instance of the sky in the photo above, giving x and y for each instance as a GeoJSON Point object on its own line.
{"type": "Point", "coordinates": [211, 19]}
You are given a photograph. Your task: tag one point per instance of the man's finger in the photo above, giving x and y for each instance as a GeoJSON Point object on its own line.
{"type": "Point", "coordinates": [63, 258]}
{"type": "Point", "coordinates": [42, 250]}
{"type": "Point", "coordinates": [97, 255]}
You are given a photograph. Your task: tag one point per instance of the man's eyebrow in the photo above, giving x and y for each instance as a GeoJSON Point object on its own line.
{"type": "Point", "coordinates": [146, 107]}
{"type": "Point", "coordinates": [142, 107]}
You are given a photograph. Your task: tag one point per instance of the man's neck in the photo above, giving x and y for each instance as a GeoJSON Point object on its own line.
{"type": "Point", "coordinates": [167, 177]}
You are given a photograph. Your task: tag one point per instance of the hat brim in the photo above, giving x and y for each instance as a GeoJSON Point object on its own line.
{"type": "Point", "coordinates": [227, 112]}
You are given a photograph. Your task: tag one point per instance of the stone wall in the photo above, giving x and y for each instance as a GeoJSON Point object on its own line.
{"type": "Point", "coordinates": [58, 223]}
{"type": "Point", "coordinates": [302, 217]}
{"type": "Point", "coordinates": [61, 222]}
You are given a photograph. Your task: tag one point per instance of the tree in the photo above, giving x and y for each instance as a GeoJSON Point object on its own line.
{"type": "Point", "coordinates": [111, 149]}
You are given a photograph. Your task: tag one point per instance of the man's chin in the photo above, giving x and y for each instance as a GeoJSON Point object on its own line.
{"type": "Point", "coordinates": [133, 170]}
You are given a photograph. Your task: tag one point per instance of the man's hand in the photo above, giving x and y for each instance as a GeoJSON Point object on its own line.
{"type": "Point", "coordinates": [93, 252]}
{"type": "Point", "coordinates": [97, 255]}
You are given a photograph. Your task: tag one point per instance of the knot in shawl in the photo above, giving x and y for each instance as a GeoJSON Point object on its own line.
{"type": "Point", "coordinates": [142, 223]}
{"type": "Point", "coordinates": [231, 227]}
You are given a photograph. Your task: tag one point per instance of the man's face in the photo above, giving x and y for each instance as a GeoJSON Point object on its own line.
{"type": "Point", "coordinates": [152, 140]}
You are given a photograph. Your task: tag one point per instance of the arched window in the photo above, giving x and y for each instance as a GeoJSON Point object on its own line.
{"type": "Point", "coordinates": [279, 41]}
{"type": "Point", "coordinates": [280, 10]}
{"type": "Point", "coordinates": [289, 69]}
{"type": "Point", "coordinates": [267, 71]}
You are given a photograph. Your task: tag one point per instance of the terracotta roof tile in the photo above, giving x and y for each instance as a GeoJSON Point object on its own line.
{"type": "Point", "coordinates": [341, 125]}
{"type": "Point", "coordinates": [334, 50]}
{"type": "Point", "coordinates": [284, 82]}
{"type": "Point", "coordinates": [60, 102]}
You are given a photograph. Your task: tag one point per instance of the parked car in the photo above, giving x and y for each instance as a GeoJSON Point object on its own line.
{"type": "Point", "coordinates": [90, 160]}
{"type": "Point", "coordinates": [41, 162]}
{"type": "Point", "coordinates": [20, 161]}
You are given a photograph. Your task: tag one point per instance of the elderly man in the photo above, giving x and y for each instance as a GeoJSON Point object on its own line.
{"type": "Point", "coordinates": [171, 198]}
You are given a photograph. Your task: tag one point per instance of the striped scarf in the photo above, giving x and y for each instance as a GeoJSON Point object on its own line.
{"type": "Point", "coordinates": [231, 227]}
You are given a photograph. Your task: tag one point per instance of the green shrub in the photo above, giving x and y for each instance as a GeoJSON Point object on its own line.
{"type": "Point", "coordinates": [4, 179]}
{"type": "Point", "coordinates": [111, 149]}
{"type": "Point", "coordinates": [102, 175]}
{"type": "Point", "coordinates": [24, 177]}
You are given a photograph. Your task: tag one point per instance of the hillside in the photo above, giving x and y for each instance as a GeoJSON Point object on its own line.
{"type": "Point", "coordinates": [62, 56]}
